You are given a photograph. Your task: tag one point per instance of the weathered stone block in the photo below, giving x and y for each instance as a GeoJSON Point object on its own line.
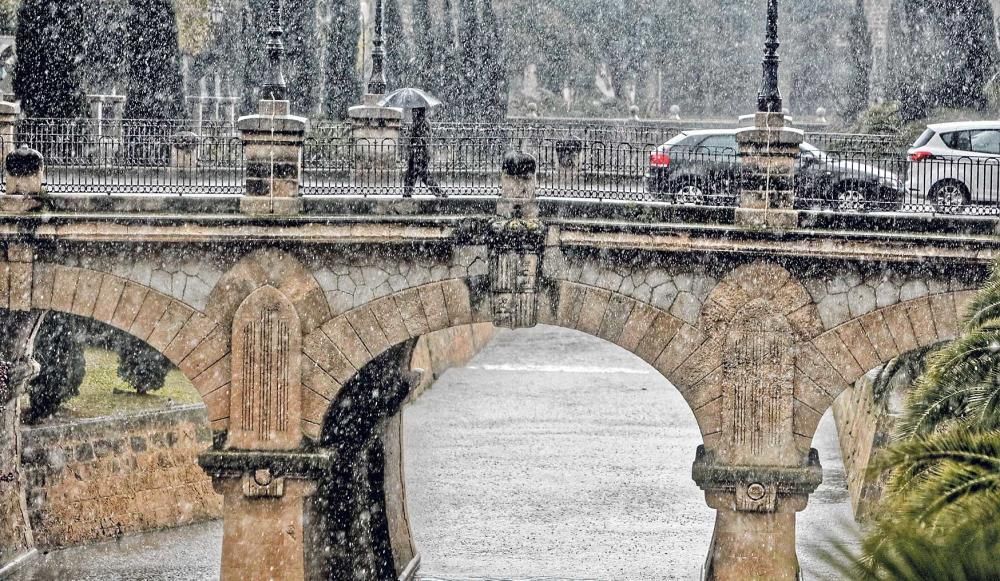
{"type": "Point", "coordinates": [661, 332]}
{"type": "Point", "coordinates": [318, 347]}
{"type": "Point", "coordinates": [342, 334]}
{"type": "Point", "coordinates": [191, 334]}
{"type": "Point", "coordinates": [128, 305]}
{"type": "Point", "coordinates": [853, 335]}
{"type": "Point", "coordinates": [595, 304]}
{"type": "Point", "coordinates": [922, 321]}
{"type": "Point", "coordinates": [945, 316]}
{"type": "Point", "coordinates": [318, 380]}
{"type": "Point", "coordinates": [368, 329]}
{"type": "Point", "coordinates": [686, 340]}
{"type": "Point", "coordinates": [833, 349]}
{"type": "Point", "coordinates": [898, 322]}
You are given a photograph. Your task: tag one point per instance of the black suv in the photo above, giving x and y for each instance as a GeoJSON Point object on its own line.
{"type": "Point", "coordinates": [703, 168]}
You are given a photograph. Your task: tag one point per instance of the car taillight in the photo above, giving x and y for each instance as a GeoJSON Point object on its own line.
{"type": "Point", "coordinates": [659, 159]}
{"type": "Point", "coordinates": [921, 155]}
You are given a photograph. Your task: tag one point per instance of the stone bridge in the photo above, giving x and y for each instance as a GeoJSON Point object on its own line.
{"type": "Point", "coordinates": [294, 318]}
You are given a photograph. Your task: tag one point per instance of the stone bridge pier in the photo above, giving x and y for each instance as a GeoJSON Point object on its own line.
{"type": "Point", "coordinates": [295, 319]}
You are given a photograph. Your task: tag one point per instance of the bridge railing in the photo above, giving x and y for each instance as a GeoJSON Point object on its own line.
{"type": "Point", "coordinates": [136, 156]}
{"type": "Point", "coordinates": [848, 173]}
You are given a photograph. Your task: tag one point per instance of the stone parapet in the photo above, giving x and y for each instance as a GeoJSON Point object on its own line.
{"type": "Point", "coordinates": [272, 144]}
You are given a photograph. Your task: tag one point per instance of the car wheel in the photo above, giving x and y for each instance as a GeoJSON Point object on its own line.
{"type": "Point", "coordinates": [851, 198]}
{"type": "Point", "coordinates": [949, 197]}
{"type": "Point", "coordinates": [689, 191]}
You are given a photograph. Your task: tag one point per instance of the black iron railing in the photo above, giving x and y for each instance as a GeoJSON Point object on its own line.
{"type": "Point", "coordinates": [136, 156]}
{"type": "Point", "coordinates": [843, 173]}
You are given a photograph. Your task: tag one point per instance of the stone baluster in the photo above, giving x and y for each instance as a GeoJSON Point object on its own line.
{"type": "Point", "coordinates": [273, 141]}
{"type": "Point", "coordinates": [768, 150]}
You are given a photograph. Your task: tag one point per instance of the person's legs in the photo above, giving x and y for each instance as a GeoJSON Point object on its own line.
{"type": "Point", "coordinates": [432, 184]}
{"type": "Point", "coordinates": [409, 180]}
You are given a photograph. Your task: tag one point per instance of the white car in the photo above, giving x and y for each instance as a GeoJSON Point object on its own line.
{"type": "Point", "coordinates": [955, 165]}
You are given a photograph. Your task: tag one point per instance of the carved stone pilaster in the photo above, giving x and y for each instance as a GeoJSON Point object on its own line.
{"type": "Point", "coordinates": [516, 245]}
{"type": "Point", "coordinates": [264, 496]}
{"type": "Point", "coordinates": [265, 398]}
{"type": "Point", "coordinates": [754, 536]}
{"type": "Point", "coordinates": [515, 261]}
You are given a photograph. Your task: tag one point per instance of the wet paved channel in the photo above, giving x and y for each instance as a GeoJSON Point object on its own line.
{"type": "Point", "coordinates": [552, 455]}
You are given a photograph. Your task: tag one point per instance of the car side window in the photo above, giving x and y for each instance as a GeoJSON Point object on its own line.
{"type": "Point", "coordinates": [987, 141]}
{"type": "Point", "coordinates": [720, 142]}
{"type": "Point", "coordinates": [958, 140]}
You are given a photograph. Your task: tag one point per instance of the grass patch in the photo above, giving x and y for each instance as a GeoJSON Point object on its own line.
{"type": "Point", "coordinates": [98, 396]}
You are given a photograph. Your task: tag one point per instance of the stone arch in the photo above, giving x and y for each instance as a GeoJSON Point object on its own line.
{"type": "Point", "coordinates": [343, 345]}
{"type": "Point", "coordinates": [835, 359]}
{"type": "Point", "coordinates": [189, 339]}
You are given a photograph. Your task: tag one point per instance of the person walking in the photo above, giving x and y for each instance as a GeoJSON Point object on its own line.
{"type": "Point", "coordinates": [418, 166]}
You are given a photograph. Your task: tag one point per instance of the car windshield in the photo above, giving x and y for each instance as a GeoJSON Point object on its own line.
{"type": "Point", "coordinates": [812, 151]}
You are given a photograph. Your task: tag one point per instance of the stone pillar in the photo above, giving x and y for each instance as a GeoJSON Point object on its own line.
{"type": "Point", "coordinates": [184, 150]}
{"type": "Point", "coordinates": [769, 150]}
{"type": "Point", "coordinates": [375, 136]}
{"type": "Point", "coordinates": [9, 113]}
{"type": "Point", "coordinates": [24, 173]}
{"type": "Point", "coordinates": [17, 367]}
{"type": "Point", "coordinates": [518, 184]}
{"type": "Point", "coordinates": [262, 472]}
{"type": "Point", "coordinates": [754, 537]}
{"type": "Point", "coordinates": [755, 469]}
{"type": "Point", "coordinates": [272, 146]}
{"type": "Point", "coordinates": [516, 245]}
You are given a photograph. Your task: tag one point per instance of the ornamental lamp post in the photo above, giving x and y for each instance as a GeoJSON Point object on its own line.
{"type": "Point", "coordinates": [377, 82]}
{"type": "Point", "coordinates": [275, 88]}
{"type": "Point", "coordinates": [769, 97]}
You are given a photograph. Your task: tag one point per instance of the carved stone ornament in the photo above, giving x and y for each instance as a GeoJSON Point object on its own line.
{"type": "Point", "coordinates": [758, 381]}
{"type": "Point", "coordinates": [262, 484]}
{"type": "Point", "coordinates": [514, 268]}
{"type": "Point", "coordinates": [756, 497]}
{"type": "Point", "coordinates": [265, 398]}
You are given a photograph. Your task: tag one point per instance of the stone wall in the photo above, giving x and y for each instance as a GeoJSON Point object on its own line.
{"type": "Point", "coordinates": [437, 352]}
{"type": "Point", "coordinates": [102, 478]}
{"type": "Point", "coordinates": [863, 429]}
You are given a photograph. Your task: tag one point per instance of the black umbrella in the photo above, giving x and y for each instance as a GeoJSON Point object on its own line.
{"type": "Point", "coordinates": [410, 98]}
